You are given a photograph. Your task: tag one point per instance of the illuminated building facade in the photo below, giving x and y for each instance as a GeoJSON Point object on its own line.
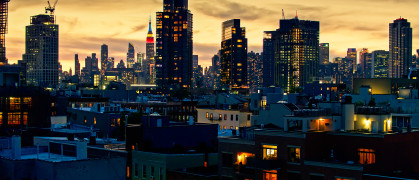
{"type": "Point", "coordinates": [400, 46]}
{"type": "Point", "coordinates": [130, 56]}
{"type": "Point", "coordinates": [380, 63]}
{"type": "Point", "coordinates": [233, 55]}
{"type": "Point", "coordinates": [4, 9]}
{"type": "Point", "coordinates": [268, 59]}
{"type": "Point", "coordinates": [254, 70]}
{"type": "Point", "coordinates": [174, 45]}
{"type": "Point", "coordinates": [366, 63]}
{"type": "Point", "coordinates": [216, 71]}
{"type": "Point", "coordinates": [324, 53]}
{"type": "Point", "coordinates": [41, 52]}
{"type": "Point", "coordinates": [296, 53]}
{"type": "Point", "coordinates": [104, 57]}
{"type": "Point", "coordinates": [149, 66]}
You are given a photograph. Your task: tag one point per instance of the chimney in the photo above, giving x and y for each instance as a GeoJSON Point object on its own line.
{"type": "Point", "coordinates": [81, 147]}
{"type": "Point", "coordinates": [16, 147]}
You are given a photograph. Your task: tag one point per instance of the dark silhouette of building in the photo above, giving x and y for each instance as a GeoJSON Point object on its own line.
{"type": "Point", "coordinates": [268, 59]}
{"type": "Point", "coordinates": [233, 55]}
{"type": "Point", "coordinates": [4, 11]}
{"type": "Point", "coordinates": [296, 53]}
{"type": "Point", "coordinates": [400, 46]}
{"type": "Point", "coordinates": [41, 53]}
{"type": "Point", "coordinates": [174, 48]}
{"type": "Point", "coordinates": [76, 65]}
{"type": "Point", "coordinates": [130, 56]}
{"type": "Point", "coordinates": [104, 57]}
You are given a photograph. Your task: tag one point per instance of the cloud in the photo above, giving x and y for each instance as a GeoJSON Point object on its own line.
{"type": "Point", "coordinates": [138, 28]}
{"type": "Point", "coordinates": [224, 9]}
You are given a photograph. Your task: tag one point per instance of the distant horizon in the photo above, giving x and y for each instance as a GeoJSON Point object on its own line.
{"type": "Point", "coordinates": [343, 25]}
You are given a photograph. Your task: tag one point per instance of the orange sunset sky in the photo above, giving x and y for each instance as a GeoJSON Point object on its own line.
{"type": "Point", "coordinates": [86, 24]}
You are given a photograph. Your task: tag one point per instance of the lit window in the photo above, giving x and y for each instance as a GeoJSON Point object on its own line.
{"type": "Point", "coordinates": [94, 120]}
{"type": "Point", "coordinates": [211, 116]}
{"type": "Point", "coordinates": [366, 156]}
{"type": "Point", "coordinates": [119, 121]}
{"type": "Point", "coordinates": [270, 175]}
{"type": "Point", "coordinates": [207, 115]}
{"type": "Point", "coordinates": [13, 118]}
{"type": "Point", "coordinates": [294, 154]}
{"type": "Point", "coordinates": [1, 117]}
{"type": "Point", "coordinates": [242, 157]}
{"type": "Point", "coordinates": [25, 118]}
{"type": "Point", "coordinates": [219, 116]}
{"type": "Point", "coordinates": [269, 152]}
{"type": "Point", "coordinates": [343, 178]}
{"type": "Point", "coordinates": [225, 116]}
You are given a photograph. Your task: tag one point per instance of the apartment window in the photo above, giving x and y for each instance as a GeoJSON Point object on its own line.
{"type": "Point", "coordinates": [207, 115]}
{"type": "Point", "coordinates": [232, 117]}
{"type": "Point", "coordinates": [25, 118]}
{"type": "Point", "coordinates": [269, 152]}
{"type": "Point", "coordinates": [13, 118]}
{"type": "Point", "coordinates": [366, 156]}
{"type": "Point", "coordinates": [144, 171]}
{"type": "Point", "coordinates": [225, 116]}
{"type": "Point", "coordinates": [161, 173]}
{"type": "Point", "coordinates": [270, 175]}
{"type": "Point", "coordinates": [225, 127]}
{"type": "Point", "coordinates": [136, 170]}
{"type": "Point", "coordinates": [227, 160]}
{"type": "Point", "coordinates": [237, 117]}
{"type": "Point", "coordinates": [231, 127]}
{"type": "Point", "coordinates": [248, 117]}
{"type": "Point", "coordinates": [343, 178]}
{"type": "Point", "coordinates": [242, 157]}
{"type": "Point", "coordinates": [118, 121]}
{"type": "Point", "coordinates": [220, 116]}
{"type": "Point", "coordinates": [113, 122]}
{"type": "Point", "coordinates": [94, 120]}
{"type": "Point", "coordinates": [294, 154]}
{"type": "Point", "coordinates": [1, 117]}
{"type": "Point", "coordinates": [211, 116]}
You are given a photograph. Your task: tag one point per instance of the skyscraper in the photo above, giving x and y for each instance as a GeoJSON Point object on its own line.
{"type": "Point", "coordinates": [400, 48]}
{"type": "Point", "coordinates": [76, 65]}
{"type": "Point", "coordinates": [130, 56]}
{"type": "Point", "coordinates": [352, 55]}
{"type": "Point", "coordinates": [149, 65]}
{"type": "Point", "coordinates": [233, 55]}
{"type": "Point", "coordinates": [324, 53]}
{"type": "Point", "coordinates": [41, 52]}
{"type": "Point", "coordinates": [366, 63]}
{"type": "Point", "coordinates": [104, 57]}
{"type": "Point", "coordinates": [268, 59]}
{"type": "Point", "coordinates": [380, 64]}
{"type": "Point", "coordinates": [296, 53]}
{"type": "Point", "coordinates": [4, 8]}
{"type": "Point", "coordinates": [174, 47]}
{"type": "Point", "coordinates": [216, 72]}
{"type": "Point", "coordinates": [254, 70]}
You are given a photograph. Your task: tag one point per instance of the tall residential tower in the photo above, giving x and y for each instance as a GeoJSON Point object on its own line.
{"type": "Point", "coordinates": [174, 45]}
{"type": "Point", "coordinates": [400, 48]}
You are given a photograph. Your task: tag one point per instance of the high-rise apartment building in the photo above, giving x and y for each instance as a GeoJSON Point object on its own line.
{"type": "Point", "coordinates": [352, 55]}
{"type": "Point", "coordinates": [324, 53]}
{"type": "Point", "coordinates": [296, 53]}
{"type": "Point", "coordinates": [365, 60]}
{"type": "Point", "coordinates": [268, 59]}
{"type": "Point", "coordinates": [130, 56]}
{"type": "Point", "coordinates": [4, 11]}
{"type": "Point", "coordinates": [104, 57]}
{"type": "Point", "coordinates": [400, 48]}
{"type": "Point", "coordinates": [41, 52]}
{"type": "Point", "coordinates": [254, 70]}
{"type": "Point", "coordinates": [174, 45]}
{"type": "Point", "coordinates": [380, 63]}
{"type": "Point", "coordinates": [233, 55]}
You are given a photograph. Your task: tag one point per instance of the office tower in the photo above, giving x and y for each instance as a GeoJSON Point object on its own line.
{"type": "Point", "coordinates": [4, 8]}
{"type": "Point", "coordinates": [380, 63]}
{"type": "Point", "coordinates": [268, 59]}
{"type": "Point", "coordinates": [296, 53]}
{"type": "Point", "coordinates": [324, 53]}
{"type": "Point", "coordinates": [77, 65]}
{"type": "Point", "coordinates": [400, 48]}
{"type": "Point", "coordinates": [41, 52]}
{"type": "Point", "coordinates": [174, 46]}
{"type": "Point", "coordinates": [95, 62]}
{"type": "Point", "coordinates": [149, 65]}
{"type": "Point", "coordinates": [104, 57]}
{"type": "Point", "coordinates": [233, 55]}
{"type": "Point", "coordinates": [195, 69]}
{"type": "Point", "coordinates": [130, 56]}
{"type": "Point", "coordinates": [366, 64]}
{"type": "Point", "coordinates": [254, 70]}
{"type": "Point", "coordinates": [140, 58]}
{"type": "Point", "coordinates": [351, 54]}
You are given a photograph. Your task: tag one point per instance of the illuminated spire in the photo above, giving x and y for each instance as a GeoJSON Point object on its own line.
{"type": "Point", "coordinates": [149, 26]}
{"type": "Point", "coordinates": [150, 38]}
{"type": "Point", "coordinates": [296, 14]}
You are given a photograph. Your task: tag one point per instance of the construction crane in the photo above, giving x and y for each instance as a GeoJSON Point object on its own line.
{"type": "Point", "coordinates": [51, 8]}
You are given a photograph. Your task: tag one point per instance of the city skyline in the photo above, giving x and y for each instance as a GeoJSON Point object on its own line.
{"type": "Point", "coordinates": [118, 23]}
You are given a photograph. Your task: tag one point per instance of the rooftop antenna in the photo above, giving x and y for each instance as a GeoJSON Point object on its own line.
{"type": "Point", "coordinates": [50, 8]}
{"type": "Point", "coordinates": [296, 14]}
